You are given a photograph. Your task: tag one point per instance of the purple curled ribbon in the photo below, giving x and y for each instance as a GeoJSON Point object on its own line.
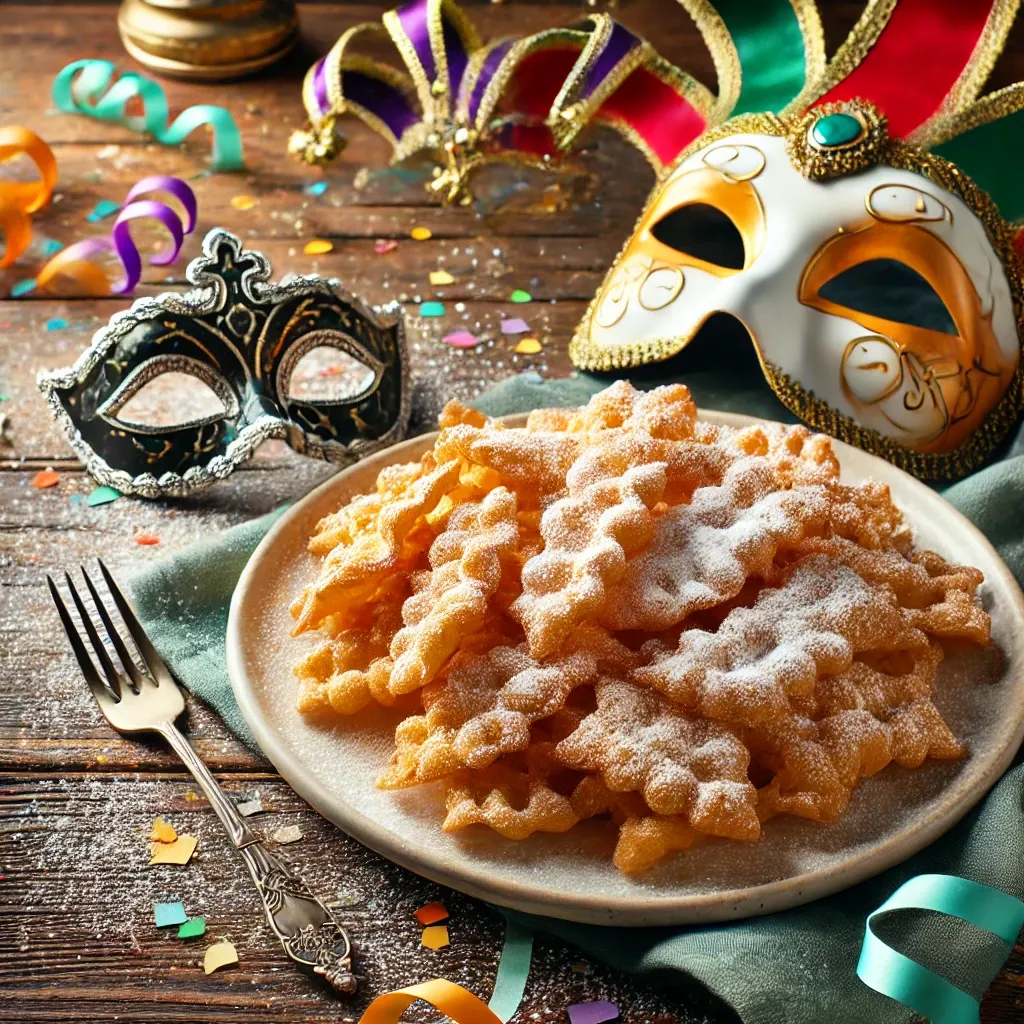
{"type": "Point", "coordinates": [121, 242]}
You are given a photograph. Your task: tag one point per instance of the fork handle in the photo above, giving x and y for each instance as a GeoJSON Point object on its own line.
{"type": "Point", "coordinates": [308, 931]}
{"type": "Point", "coordinates": [240, 833]}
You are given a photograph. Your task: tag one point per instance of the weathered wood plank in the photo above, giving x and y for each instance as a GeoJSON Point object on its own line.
{"type": "Point", "coordinates": [77, 920]}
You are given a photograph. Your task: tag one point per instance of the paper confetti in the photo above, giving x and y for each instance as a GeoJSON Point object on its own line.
{"type": "Point", "coordinates": [103, 209]}
{"type": "Point", "coordinates": [431, 309]}
{"type": "Point", "coordinates": [318, 247]}
{"type": "Point", "coordinates": [178, 852]}
{"type": "Point", "coordinates": [102, 495]}
{"type": "Point", "coordinates": [51, 246]}
{"type": "Point", "coordinates": [441, 277]}
{"type": "Point", "coordinates": [192, 928]}
{"type": "Point", "coordinates": [146, 539]}
{"type": "Point", "coordinates": [318, 188]}
{"type": "Point", "coordinates": [163, 831]}
{"type": "Point", "coordinates": [431, 913]}
{"type": "Point", "coordinates": [514, 325]}
{"type": "Point", "coordinates": [592, 1013]}
{"type": "Point", "coordinates": [243, 202]}
{"type": "Point", "coordinates": [20, 288]}
{"type": "Point", "coordinates": [287, 834]}
{"type": "Point", "coordinates": [461, 339]}
{"type": "Point", "coordinates": [520, 296]}
{"type": "Point", "coordinates": [56, 324]}
{"type": "Point", "coordinates": [247, 808]}
{"type": "Point", "coordinates": [421, 234]}
{"type": "Point", "coordinates": [45, 478]}
{"type": "Point", "coordinates": [220, 955]}
{"type": "Point", "coordinates": [435, 937]}
{"type": "Point", "coordinates": [528, 347]}
{"type": "Point", "coordinates": [166, 914]}
{"type": "Point", "coordinates": [384, 245]}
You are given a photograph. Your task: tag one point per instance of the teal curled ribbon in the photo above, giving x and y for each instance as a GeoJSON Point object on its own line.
{"type": "Point", "coordinates": [88, 87]}
{"type": "Point", "coordinates": [513, 970]}
{"type": "Point", "coordinates": [905, 980]}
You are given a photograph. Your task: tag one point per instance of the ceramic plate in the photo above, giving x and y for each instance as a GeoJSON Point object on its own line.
{"type": "Point", "coordinates": [891, 816]}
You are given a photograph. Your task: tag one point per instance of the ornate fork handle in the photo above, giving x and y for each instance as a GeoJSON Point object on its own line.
{"type": "Point", "coordinates": [308, 931]}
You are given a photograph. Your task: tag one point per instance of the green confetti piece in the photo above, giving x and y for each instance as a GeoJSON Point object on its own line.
{"type": "Point", "coordinates": [169, 913]}
{"type": "Point", "coordinates": [102, 496]}
{"type": "Point", "coordinates": [104, 208]}
{"type": "Point", "coordinates": [20, 288]}
{"type": "Point", "coordinates": [192, 928]}
{"type": "Point", "coordinates": [520, 296]}
{"type": "Point", "coordinates": [432, 309]}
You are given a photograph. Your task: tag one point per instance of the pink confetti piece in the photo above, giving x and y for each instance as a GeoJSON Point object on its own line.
{"type": "Point", "coordinates": [384, 245]}
{"type": "Point", "coordinates": [461, 339]}
{"type": "Point", "coordinates": [514, 325]}
{"type": "Point", "coordinates": [592, 1013]}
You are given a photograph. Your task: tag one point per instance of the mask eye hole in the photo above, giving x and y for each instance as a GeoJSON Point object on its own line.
{"type": "Point", "coordinates": [328, 374]}
{"type": "Point", "coordinates": [326, 367]}
{"type": "Point", "coordinates": [891, 290]}
{"type": "Point", "coordinates": [703, 232]}
{"type": "Point", "coordinates": [167, 392]}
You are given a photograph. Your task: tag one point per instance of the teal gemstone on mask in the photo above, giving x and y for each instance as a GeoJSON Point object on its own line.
{"type": "Point", "coordinates": [836, 130]}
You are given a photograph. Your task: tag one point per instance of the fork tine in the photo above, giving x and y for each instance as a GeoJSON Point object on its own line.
{"type": "Point", "coordinates": [127, 662]}
{"type": "Point", "coordinates": [81, 654]}
{"type": "Point", "coordinates": [157, 669]}
{"type": "Point", "coordinates": [94, 638]}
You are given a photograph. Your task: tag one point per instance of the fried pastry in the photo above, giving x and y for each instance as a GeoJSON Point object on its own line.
{"type": "Point", "coordinates": [622, 614]}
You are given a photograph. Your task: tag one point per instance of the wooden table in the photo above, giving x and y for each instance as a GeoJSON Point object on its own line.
{"type": "Point", "coordinates": [77, 940]}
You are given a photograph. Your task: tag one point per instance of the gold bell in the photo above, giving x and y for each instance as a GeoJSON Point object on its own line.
{"type": "Point", "coordinates": [208, 40]}
{"type": "Point", "coordinates": [317, 144]}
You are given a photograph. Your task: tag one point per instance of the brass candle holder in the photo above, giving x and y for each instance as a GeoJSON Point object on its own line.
{"type": "Point", "coordinates": [208, 40]}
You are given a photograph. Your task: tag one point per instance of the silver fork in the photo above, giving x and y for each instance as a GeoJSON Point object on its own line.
{"type": "Point", "coordinates": [135, 701]}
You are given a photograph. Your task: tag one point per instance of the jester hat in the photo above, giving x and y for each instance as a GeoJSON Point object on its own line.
{"type": "Point", "coordinates": [857, 215]}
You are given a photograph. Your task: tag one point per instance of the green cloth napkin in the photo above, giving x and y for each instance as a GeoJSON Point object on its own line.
{"type": "Point", "coordinates": [796, 967]}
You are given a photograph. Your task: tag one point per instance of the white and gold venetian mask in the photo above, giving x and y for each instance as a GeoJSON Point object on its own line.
{"type": "Point", "coordinates": [871, 294]}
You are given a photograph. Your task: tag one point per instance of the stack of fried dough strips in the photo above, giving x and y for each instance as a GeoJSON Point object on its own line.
{"type": "Point", "coordinates": [620, 610]}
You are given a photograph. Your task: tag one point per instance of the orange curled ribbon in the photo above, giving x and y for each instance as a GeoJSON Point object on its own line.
{"type": "Point", "coordinates": [452, 1000]}
{"type": "Point", "coordinates": [18, 199]}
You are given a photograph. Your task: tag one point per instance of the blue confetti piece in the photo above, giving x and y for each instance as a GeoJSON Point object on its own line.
{"type": "Point", "coordinates": [23, 287]}
{"type": "Point", "coordinates": [51, 246]}
{"type": "Point", "coordinates": [432, 309]}
{"type": "Point", "coordinates": [56, 324]}
{"type": "Point", "coordinates": [166, 914]}
{"type": "Point", "coordinates": [104, 208]}
{"type": "Point", "coordinates": [318, 188]}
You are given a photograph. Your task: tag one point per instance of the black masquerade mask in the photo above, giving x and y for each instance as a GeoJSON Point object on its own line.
{"type": "Point", "coordinates": [242, 337]}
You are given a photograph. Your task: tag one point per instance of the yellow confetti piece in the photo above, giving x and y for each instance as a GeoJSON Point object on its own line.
{"type": "Point", "coordinates": [163, 832]}
{"type": "Point", "coordinates": [243, 202]}
{"type": "Point", "coordinates": [441, 277]}
{"type": "Point", "coordinates": [421, 234]}
{"type": "Point", "coordinates": [528, 347]}
{"type": "Point", "coordinates": [435, 937]}
{"type": "Point", "coordinates": [222, 954]}
{"type": "Point", "coordinates": [178, 852]}
{"type": "Point", "coordinates": [318, 247]}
